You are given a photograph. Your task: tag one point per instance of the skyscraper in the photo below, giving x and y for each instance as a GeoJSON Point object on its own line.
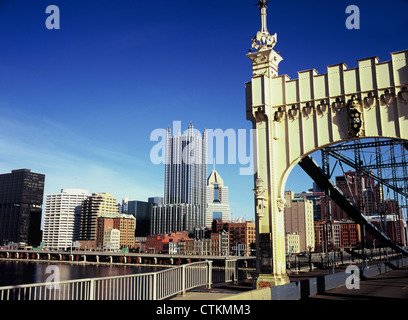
{"type": "Point", "coordinates": [299, 219]}
{"type": "Point", "coordinates": [62, 217]}
{"type": "Point", "coordinates": [141, 211]}
{"type": "Point", "coordinates": [21, 198]}
{"type": "Point", "coordinates": [185, 184]}
{"type": "Point", "coordinates": [92, 208]}
{"type": "Point", "coordinates": [217, 199]}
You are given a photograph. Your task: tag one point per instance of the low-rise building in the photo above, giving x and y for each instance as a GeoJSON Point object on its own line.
{"type": "Point", "coordinates": [111, 240]}
{"type": "Point", "coordinates": [241, 233]}
{"type": "Point", "coordinates": [125, 223]}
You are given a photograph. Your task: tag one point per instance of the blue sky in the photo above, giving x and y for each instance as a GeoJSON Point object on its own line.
{"type": "Point", "coordinates": [79, 103]}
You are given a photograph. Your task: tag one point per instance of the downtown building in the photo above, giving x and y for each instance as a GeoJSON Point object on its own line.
{"type": "Point", "coordinates": [217, 200]}
{"type": "Point", "coordinates": [92, 207]}
{"type": "Point", "coordinates": [366, 198]}
{"type": "Point", "coordinates": [241, 237]}
{"type": "Point", "coordinates": [141, 211]}
{"type": "Point", "coordinates": [299, 221]}
{"type": "Point", "coordinates": [62, 215]}
{"type": "Point", "coordinates": [118, 225]}
{"type": "Point", "coordinates": [337, 234]}
{"type": "Point", "coordinates": [21, 199]}
{"type": "Point", "coordinates": [184, 206]}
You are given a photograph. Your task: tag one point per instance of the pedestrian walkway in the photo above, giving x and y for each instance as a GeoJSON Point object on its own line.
{"type": "Point", "coordinates": [386, 286]}
{"type": "Point", "coordinates": [217, 292]}
{"type": "Point", "coordinates": [221, 291]}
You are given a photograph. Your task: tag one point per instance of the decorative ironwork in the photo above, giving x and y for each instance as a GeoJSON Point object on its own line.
{"type": "Point", "coordinates": [263, 40]}
{"type": "Point", "coordinates": [355, 120]}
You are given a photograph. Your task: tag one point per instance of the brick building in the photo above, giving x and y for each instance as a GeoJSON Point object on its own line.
{"type": "Point", "coordinates": [126, 225]}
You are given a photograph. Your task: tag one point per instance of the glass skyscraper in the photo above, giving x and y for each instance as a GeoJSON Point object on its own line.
{"type": "Point", "coordinates": [21, 199]}
{"type": "Point", "coordinates": [184, 204]}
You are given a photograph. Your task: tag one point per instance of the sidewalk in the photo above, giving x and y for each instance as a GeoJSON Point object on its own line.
{"type": "Point", "coordinates": [217, 292]}
{"type": "Point", "coordinates": [228, 290]}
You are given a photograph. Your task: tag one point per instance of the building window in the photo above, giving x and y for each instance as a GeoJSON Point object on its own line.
{"type": "Point", "coordinates": [216, 193]}
{"type": "Point", "coordinates": [217, 215]}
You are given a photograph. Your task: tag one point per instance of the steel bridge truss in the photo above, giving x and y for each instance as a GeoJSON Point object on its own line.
{"type": "Point", "coordinates": [322, 180]}
{"type": "Point", "coordinates": [387, 167]}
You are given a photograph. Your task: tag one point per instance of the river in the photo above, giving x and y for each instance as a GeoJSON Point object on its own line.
{"type": "Point", "coordinates": [26, 272]}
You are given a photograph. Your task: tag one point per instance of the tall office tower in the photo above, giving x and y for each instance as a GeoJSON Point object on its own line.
{"type": "Point", "coordinates": [92, 207]}
{"type": "Point", "coordinates": [21, 198]}
{"type": "Point", "coordinates": [186, 168]}
{"type": "Point", "coordinates": [123, 206]}
{"type": "Point", "coordinates": [155, 201]}
{"type": "Point", "coordinates": [62, 217]}
{"type": "Point", "coordinates": [185, 184]}
{"type": "Point", "coordinates": [141, 211]}
{"type": "Point", "coordinates": [217, 199]}
{"type": "Point", "coordinates": [299, 219]}
{"type": "Point", "coordinates": [316, 198]}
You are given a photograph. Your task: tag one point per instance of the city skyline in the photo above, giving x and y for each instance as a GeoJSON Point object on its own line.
{"type": "Point", "coordinates": [79, 104]}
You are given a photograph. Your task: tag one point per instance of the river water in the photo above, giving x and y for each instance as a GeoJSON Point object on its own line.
{"type": "Point", "coordinates": [26, 272]}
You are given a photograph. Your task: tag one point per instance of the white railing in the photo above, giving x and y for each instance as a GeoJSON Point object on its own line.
{"type": "Point", "coordinates": [231, 271]}
{"type": "Point", "coordinates": [147, 286]}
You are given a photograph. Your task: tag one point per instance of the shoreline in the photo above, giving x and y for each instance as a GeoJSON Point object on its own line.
{"type": "Point", "coordinates": [106, 264]}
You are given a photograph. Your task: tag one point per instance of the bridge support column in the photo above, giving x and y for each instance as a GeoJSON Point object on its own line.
{"type": "Point", "coordinates": [97, 259]}
{"type": "Point", "coordinates": [269, 203]}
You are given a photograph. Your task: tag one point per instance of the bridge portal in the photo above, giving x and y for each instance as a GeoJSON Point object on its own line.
{"type": "Point", "coordinates": [296, 117]}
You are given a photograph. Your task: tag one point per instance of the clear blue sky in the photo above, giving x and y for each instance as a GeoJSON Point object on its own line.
{"type": "Point", "coordinates": [79, 103]}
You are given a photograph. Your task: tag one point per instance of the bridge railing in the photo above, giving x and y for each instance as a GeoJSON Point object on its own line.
{"type": "Point", "coordinates": [296, 263]}
{"type": "Point", "coordinates": [147, 286]}
{"type": "Point", "coordinates": [231, 271]}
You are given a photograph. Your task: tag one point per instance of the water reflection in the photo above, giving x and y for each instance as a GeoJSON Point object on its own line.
{"type": "Point", "coordinates": [14, 273]}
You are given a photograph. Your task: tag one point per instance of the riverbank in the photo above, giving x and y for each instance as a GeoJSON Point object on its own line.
{"type": "Point", "coordinates": [118, 264]}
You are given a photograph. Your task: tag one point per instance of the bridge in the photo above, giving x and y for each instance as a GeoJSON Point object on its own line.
{"type": "Point", "coordinates": [159, 285]}
{"type": "Point", "coordinates": [148, 286]}
{"type": "Point", "coordinates": [120, 257]}
{"type": "Point", "coordinates": [205, 281]}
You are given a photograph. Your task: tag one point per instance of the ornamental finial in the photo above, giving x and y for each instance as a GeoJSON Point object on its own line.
{"type": "Point", "coordinates": [263, 40]}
